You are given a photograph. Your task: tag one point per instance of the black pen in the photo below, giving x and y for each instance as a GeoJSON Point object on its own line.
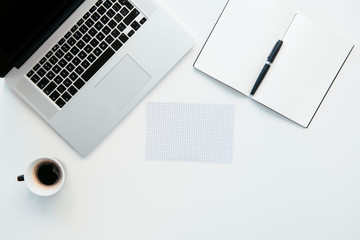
{"type": "Point", "coordinates": [266, 68]}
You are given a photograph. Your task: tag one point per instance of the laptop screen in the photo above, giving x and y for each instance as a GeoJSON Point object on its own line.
{"type": "Point", "coordinates": [25, 25]}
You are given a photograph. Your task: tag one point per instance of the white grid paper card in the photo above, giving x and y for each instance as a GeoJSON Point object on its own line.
{"type": "Point", "coordinates": [189, 132]}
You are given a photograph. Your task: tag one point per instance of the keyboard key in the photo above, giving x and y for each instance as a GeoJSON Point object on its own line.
{"type": "Point", "coordinates": [79, 83]}
{"type": "Point", "coordinates": [100, 36]}
{"type": "Point", "coordinates": [110, 13]}
{"type": "Point", "coordinates": [112, 24]}
{"type": "Point", "coordinates": [71, 41]}
{"type": "Point", "coordinates": [65, 47]}
{"type": "Point", "coordinates": [98, 3]}
{"type": "Point", "coordinates": [49, 54]}
{"type": "Point", "coordinates": [86, 38]}
{"type": "Point", "coordinates": [76, 61]}
{"type": "Point", "coordinates": [70, 67]}
{"type": "Point", "coordinates": [56, 69]}
{"type": "Point", "coordinates": [131, 33]}
{"type": "Point", "coordinates": [83, 29]}
{"type": "Point", "coordinates": [95, 16]}
{"type": "Point", "coordinates": [66, 96]}
{"type": "Point", "coordinates": [107, 4]}
{"type": "Point", "coordinates": [35, 78]}
{"type": "Point", "coordinates": [50, 88]}
{"type": "Point", "coordinates": [98, 64]}
{"type": "Point", "coordinates": [61, 88]}
{"type": "Point", "coordinates": [103, 45]}
{"type": "Point", "coordinates": [135, 25]}
{"type": "Point", "coordinates": [53, 60]}
{"type": "Point", "coordinates": [73, 76]}
{"type": "Point", "coordinates": [93, 32]}
{"type": "Point", "coordinates": [118, 17]}
{"type": "Point", "coordinates": [36, 67]}
{"type": "Point", "coordinates": [43, 82]}
{"type": "Point", "coordinates": [68, 56]}
{"type": "Point", "coordinates": [67, 82]}
{"type": "Point", "coordinates": [74, 28]}
{"type": "Point", "coordinates": [134, 13]}
{"type": "Point", "coordinates": [94, 42]}
{"type": "Point", "coordinates": [97, 51]}
{"type": "Point", "coordinates": [79, 70]}
{"type": "Point", "coordinates": [64, 73]}
{"type": "Point", "coordinates": [109, 39]}
{"type": "Point", "coordinates": [89, 23]}
{"type": "Point", "coordinates": [81, 21]}
{"type": "Point", "coordinates": [62, 41]}
{"type": "Point", "coordinates": [123, 38]}
{"type": "Point", "coordinates": [143, 20]}
{"type": "Point", "coordinates": [74, 50]}
{"type": "Point", "coordinates": [127, 4]}
{"type": "Point", "coordinates": [62, 63]}
{"type": "Point", "coordinates": [106, 30]}
{"type": "Point", "coordinates": [60, 103]}
{"type": "Point", "coordinates": [86, 15]}
{"type": "Point", "coordinates": [58, 79]}
{"type": "Point", "coordinates": [47, 66]}
{"type": "Point", "coordinates": [59, 53]}
{"type": "Point", "coordinates": [124, 11]}
{"type": "Point", "coordinates": [116, 7]}
{"type": "Point", "coordinates": [121, 27]}
{"type": "Point", "coordinates": [85, 64]}
{"type": "Point", "coordinates": [80, 44]}
{"type": "Point", "coordinates": [93, 9]}
{"type": "Point", "coordinates": [91, 57]}
{"type": "Point", "coordinates": [55, 95]}
{"type": "Point", "coordinates": [67, 35]}
{"type": "Point", "coordinates": [41, 72]}
{"type": "Point", "coordinates": [115, 33]}
{"type": "Point", "coordinates": [72, 90]}
{"type": "Point", "coordinates": [55, 48]}
{"type": "Point", "coordinates": [82, 55]}
{"type": "Point", "coordinates": [98, 26]}
{"type": "Point", "coordinates": [43, 60]}
{"type": "Point", "coordinates": [88, 48]}
{"type": "Point", "coordinates": [101, 10]}
{"type": "Point", "coordinates": [104, 19]}
{"type": "Point", "coordinates": [77, 35]}
{"type": "Point", "coordinates": [29, 74]}
{"type": "Point", "coordinates": [116, 45]}
{"type": "Point", "coordinates": [50, 75]}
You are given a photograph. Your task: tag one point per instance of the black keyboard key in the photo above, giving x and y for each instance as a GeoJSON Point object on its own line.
{"type": "Point", "coordinates": [134, 13]}
{"type": "Point", "coordinates": [70, 67]}
{"type": "Point", "coordinates": [89, 23]}
{"type": "Point", "coordinates": [77, 35]}
{"type": "Point", "coordinates": [115, 33]}
{"type": "Point", "coordinates": [121, 27]}
{"type": "Point", "coordinates": [60, 103]}
{"type": "Point", "coordinates": [80, 44]}
{"type": "Point", "coordinates": [98, 64]}
{"type": "Point", "coordinates": [62, 63]}
{"type": "Point", "coordinates": [85, 64]}
{"type": "Point", "coordinates": [47, 66]}
{"type": "Point", "coordinates": [116, 45]}
{"type": "Point", "coordinates": [50, 75]}
{"type": "Point", "coordinates": [82, 55]}
{"type": "Point", "coordinates": [91, 58]}
{"type": "Point", "coordinates": [64, 73]}
{"type": "Point", "coordinates": [58, 79]}
{"type": "Point", "coordinates": [124, 11]}
{"type": "Point", "coordinates": [81, 21]}
{"type": "Point", "coordinates": [118, 17]}
{"type": "Point", "coordinates": [83, 29]}
{"type": "Point", "coordinates": [74, 28]}
{"type": "Point", "coordinates": [73, 76]}
{"type": "Point", "coordinates": [131, 33]}
{"type": "Point", "coordinates": [88, 48]}
{"type": "Point", "coordinates": [98, 3]}
{"type": "Point", "coordinates": [59, 53]}
{"type": "Point", "coordinates": [109, 39]}
{"type": "Point", "coordinates": [71, 41]}
{"type": "Point", "coordinates": [107, 4]}
{"type": "Point", "coordinates": [101, 10]}
{"type": "Point", "coordinates": [128, 4]}
{"type": "Point", "coordinates": [95, 16]}
{"type": "Point", "coordinates": [65, 47]}
{"type": "Point", "coordinates": [100, 36]}
{"type": "Point", "coordinates": [94, 42]}
{"type": "Point", "coordinates": [112, 24]}
{"type": "Point", "coordinates": [41, 72]}
{"type": "Point", "coordinates": [68, 57]}
{"type": "Point", "coordinates": [116, 7]}
{"type": "Point", "coordinates": [66, 96]}
{"type": "Point", "coordinates": [74, 50]}
{"type": "Point", "coordinates": [35, 78]}
{"type": "Point", "coordinates": [97, 51]}
{"type": "Point", "coordinates": [92, 9]}
{"type": "Point", "coordinates": [67, 35]}
{"type": "Point", "coordinates": [43, 60]}
{"type": "Point", "coordinates": [79, 70]}
{"type": "Point", "coordinates": [103, 45]}
{"type": "Point", "coordinates": [72, 90]}
{"type": "Point", "coordinates": [36, 67]}
{"type": "Point", "coordinates": [53, 60]}
{"type": "Point", "coordinates": [106, 30]}
{"type": "Point", "coordinates": [67, 82]}
{"type": "Point", "coordinates": [110, 13]}
{"type": "Point", "coordinates": [50, 88]}
{"type": "Point", "coordinates": [55, 48]}
{"type": "Point", "coordinates": [62, 41]}
{"type": "Point", "coordinates": [49, 54]}
{"type": "Point", "coordinates": [98, 26]}
{"type": "Point", "coordinates": [123, 38]}
{"type": "Point", "coordinates": [55, 95]}
{"type": "Point", "coordinates": [79, 83]}
{"type": "Point", "coordinates": [29, 74]}
{"type": "Point", "coordinates": [43, 82]}
{"type": "Point", "coordinates": [86, 15]}
{"type": "Point", "coordinates": [104, 19]}
{"type": "Point", "coordinates": [135, 25]}
{"type": "Point", "coordinates": [76, 61]}
{"type": "Point", "coordinates": [86, 38]}
{"type": "Point", "coordinates": [61, 88]}
{"type": "Point", "coordinates": [93, 32]}
{"type": "Point", "coordinates": [56, 69]}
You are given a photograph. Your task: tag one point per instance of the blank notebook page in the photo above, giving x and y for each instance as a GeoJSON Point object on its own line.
{"type": "Point", "coordinates": [303, 70]}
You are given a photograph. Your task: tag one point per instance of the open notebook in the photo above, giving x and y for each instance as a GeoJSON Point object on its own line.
{"type": "Point", "coordinates": [308, 62]}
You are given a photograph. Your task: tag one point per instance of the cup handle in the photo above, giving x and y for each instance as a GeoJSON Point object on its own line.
{"type": "Point", "coordinates": [20, 178]}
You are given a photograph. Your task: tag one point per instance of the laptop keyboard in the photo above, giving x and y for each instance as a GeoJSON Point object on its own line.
{"type": "Point", "coordinates": [102, 31]}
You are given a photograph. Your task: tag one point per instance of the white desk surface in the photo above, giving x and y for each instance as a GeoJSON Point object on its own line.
{"type": "Point", "coordinates": [285, 182]}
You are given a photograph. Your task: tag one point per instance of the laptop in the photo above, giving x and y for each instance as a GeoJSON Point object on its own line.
{"type": "Point", "coordinates": [83, 65]}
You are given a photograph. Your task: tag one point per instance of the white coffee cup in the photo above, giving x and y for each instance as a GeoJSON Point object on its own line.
{"type": "Point", "coordinates": [45, 176]}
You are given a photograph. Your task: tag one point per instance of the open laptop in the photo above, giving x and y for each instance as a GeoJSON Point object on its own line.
{"type": "Point", "coordinates": [83, 65]}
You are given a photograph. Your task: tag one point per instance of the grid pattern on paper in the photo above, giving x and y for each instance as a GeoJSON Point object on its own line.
{"type": "Point", "coordinates": [190, 132]}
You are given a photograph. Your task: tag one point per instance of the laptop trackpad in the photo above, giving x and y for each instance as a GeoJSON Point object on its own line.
{"type": "Point", "coordinates": [122, 83]}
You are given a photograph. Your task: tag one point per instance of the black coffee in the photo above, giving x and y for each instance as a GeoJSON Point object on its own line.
{"type": "Point", "coordinates": [48, 173]}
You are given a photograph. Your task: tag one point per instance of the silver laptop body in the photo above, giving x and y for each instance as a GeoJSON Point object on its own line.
{"type": "Point", "coordinates": [110, 93]}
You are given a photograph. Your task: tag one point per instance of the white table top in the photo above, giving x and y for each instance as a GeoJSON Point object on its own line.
{"type": "Point", "coordinates": [285, 182]}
